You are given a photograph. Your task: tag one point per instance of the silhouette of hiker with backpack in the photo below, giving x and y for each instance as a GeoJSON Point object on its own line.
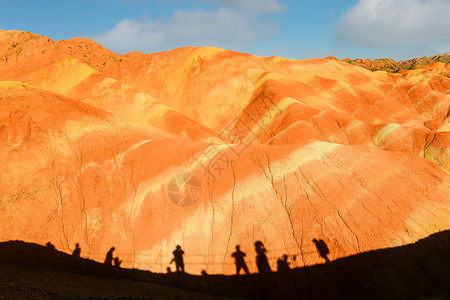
{"type": "Point", "coordinates": [239, 260]}
{"type": "Point", "coordinates": [322, 248]}
{"type": "Point", "coordinates": [178, 259]}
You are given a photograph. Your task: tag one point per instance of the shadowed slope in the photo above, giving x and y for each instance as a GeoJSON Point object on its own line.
{"type": "Point", "coordinates": [412, 271]}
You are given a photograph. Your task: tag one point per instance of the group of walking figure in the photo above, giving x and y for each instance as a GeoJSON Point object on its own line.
{"type": "Point", "coordinates": [110, 260]}
{"type": "Point", "coordinates": [262, 262]}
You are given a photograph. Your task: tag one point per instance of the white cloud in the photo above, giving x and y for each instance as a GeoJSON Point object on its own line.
{"type": "Point", "coordinates": [390, 23]}
{"type": "Point", "coordinates": [269, 6]}
{"type": "Point", "coordinates": [223, 28]}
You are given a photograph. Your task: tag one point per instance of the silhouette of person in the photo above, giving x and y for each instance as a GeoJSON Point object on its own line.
{"type": "Point", "coordinates": [117, 262]}
{"type": "Point", "coordinates": [261, 259]}
{"type": "Point", "coordinates": [239, 260]}
{"type": "Point", "coordinates": [50, 245]}
{"type": "Point", "coordinates": [322, 248]}
{"type": "Point", "coordinates": [76, 252]}
{"type": "Point", "coordinates": [178, 259]}
{"type": "Point", "coordinates": [76, 258]}
{"type": "Point", "coordinates": [109, 257]}
{"type": "Point", "coordinates": [283, 264]}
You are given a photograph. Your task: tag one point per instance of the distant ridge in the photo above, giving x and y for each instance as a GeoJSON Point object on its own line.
{"type": "Point", "coordinates": [390, 65]}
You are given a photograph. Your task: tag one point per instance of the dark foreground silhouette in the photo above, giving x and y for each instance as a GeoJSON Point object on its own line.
{"type": "Point", "coordinates": [322, 248]}
{"type": "Point", "coordinates": [261, 259]}
{"type": "Point", "coordinates": [178, 259]}
{"type": "Point", "coordinates": [413, 271]}
{"type": "Point", "coordinates": [109, 257]}
{"type": "Point", "coordinates": [239, 260]}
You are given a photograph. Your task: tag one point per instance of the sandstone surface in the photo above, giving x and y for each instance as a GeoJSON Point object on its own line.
{"type": "Point", "coordinates": [208, 148]}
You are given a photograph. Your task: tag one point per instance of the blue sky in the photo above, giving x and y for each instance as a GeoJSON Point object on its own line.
{"type": "Point", "coordinates": [297, 29]}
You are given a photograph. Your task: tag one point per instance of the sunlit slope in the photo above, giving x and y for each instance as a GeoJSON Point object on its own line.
{"type": "Point", "coordinates": [55, 67]}
{"type": "Point", "coordinates": [214, 86]}
{"type": "Point", "coordinates": [95, 147]}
